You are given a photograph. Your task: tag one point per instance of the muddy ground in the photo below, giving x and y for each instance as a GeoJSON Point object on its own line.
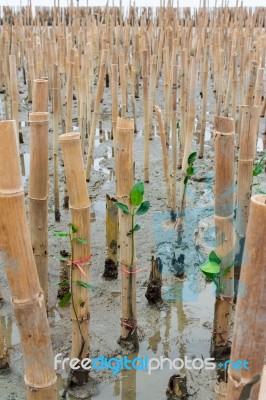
{"type": "Point", "coordinates": [182, 325]}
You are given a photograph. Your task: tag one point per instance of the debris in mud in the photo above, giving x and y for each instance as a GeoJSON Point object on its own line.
{"type": "Point", "coordinates": [177, 388]}
{"type": "Point", "coordinates": [153, 293]}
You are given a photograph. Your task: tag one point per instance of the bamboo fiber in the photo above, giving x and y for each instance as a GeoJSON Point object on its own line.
{"type": "Point", "coordinates": [165, 157]}
{"type": "Point", "coordinates": [249, 338]}
{"type": "Point", "coordinates": [38, 194]}
{"type": "Point", "coordinates": [124, 142]}
{"type": "Point", "coordinates": [79, 203]}
{"type": "Point", "coordinates": [25, 290]}
{"type": "Point", "coordinates": [224, 230]}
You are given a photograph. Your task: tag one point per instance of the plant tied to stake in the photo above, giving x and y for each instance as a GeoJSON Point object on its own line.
{"type": "Point", "coordinates": [138, 208]}
{"type": "Point", "coordinates": [70, 284]}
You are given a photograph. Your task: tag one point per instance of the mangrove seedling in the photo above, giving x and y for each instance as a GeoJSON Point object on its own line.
{"type": "Point", "coordinates": [136, 207]}
{"type": "Point", "coordinates": [212, 271]}
{"type": "Point", "coordinates": [190, 171]}
{"type": "Point", "coordinates": [72, 237]}
{"type": "Point", "coordinates": [257, 171]}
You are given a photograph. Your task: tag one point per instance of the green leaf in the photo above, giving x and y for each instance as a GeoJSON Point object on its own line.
{"type": "Point", "coordinates": [122, 207]}
{"type": "Point", "coordinates": [80, 240]}
{"type": "Point", "coordinates": [65, 300]}
{"type": "Point", "coordinates": [260, 191]}
{"type": "Point", "coordinates": [86, 285]}
{"type": "Point", "coordinates": [191, 158]}
{"type": "Point", "coordinates": [61, 258]}
{"type": "Point", "coordinates": [65, 282]}
{"type": "Point", "coordinates": [136, 194]}
{"type": "Point", "coordinates": [73, 227]}
{"type": "Point", "coordinates": [186, 180]}
{"type": "Point", "coordinates": [143, 208]}
{"type": "Point", "coordinates": [177, 125]}
{"type": "Point", "coordinates": [210, 267]}
{"type": "Point", "coordinates": [214, 258]}
{"type": "Point", "coordinates": [61, 234]}
{"type": "Point", "coordinates": [136, 228]}
{"type": "Point", "coordinates": [209, 276]}
{"type": "Point", "coordinates": [258, 169]}
{"type": "Point", "coordinates": [190, 171]}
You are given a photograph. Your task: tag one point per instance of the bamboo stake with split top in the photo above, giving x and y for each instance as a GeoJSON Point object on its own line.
{"type": "Point", "coordinates": [224, 229]}
{"type": "Point", "coordinates": [40, 95]}
{"type": "Point", "coordinates": [80, 217]}
{"type": "Point", "coordinates": [26, 293]}
{"type": "Point", "coordinates": [95, 117]}
{"type": "Point", "coordinates": [249, 338]}
{"type": "Point", "coordinates": [165, 156]}
{"type": "Point", "coordinates": [125, 179]}
{"type": "Point", "coordinates": [38, 195]}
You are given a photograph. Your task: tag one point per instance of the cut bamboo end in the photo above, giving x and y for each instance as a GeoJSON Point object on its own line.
{"type": "Point", "coordinates": [40, 95]}
{"type": "Point", "coordinates": [78, 192]}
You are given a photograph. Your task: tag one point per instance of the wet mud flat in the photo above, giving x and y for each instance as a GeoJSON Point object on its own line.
{"type": "Point", "coordinates": [180, 326]}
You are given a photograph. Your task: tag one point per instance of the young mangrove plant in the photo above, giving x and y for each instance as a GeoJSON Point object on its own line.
{"type": "Point", "coordinates": [190, 171]}
{"type": "Point", "coordinates": [257, 171]}
{"type": "Point", "coordinates": [69, 283]}
{"type": "Point", "coordinates": [211, 269]}
{"type": "Point", "coordinates": [136, 207]}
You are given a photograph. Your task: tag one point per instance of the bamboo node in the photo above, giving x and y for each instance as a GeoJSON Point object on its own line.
{"type": "Point", "coordinates": [35, 388]}
{"type": "Point", "coordinates": [224, 218]}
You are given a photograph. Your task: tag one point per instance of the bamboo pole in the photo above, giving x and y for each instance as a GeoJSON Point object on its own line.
{"type": "Point", "coordinates": [249, 338]}
{"type": "Point", "coordinates": [225, 240]}
{"type": "Point", "coordinates": [14, 92]}
{"type": "Point", "coordinates": [146, 114]}
{"type": "Point", "coordinates": [4, 356]}
{"type": "Point", "coordinates": [38, 195]}
{"type": "Point", "coordinates": [125, 178]}
{"type": "Point", "coordinates": [248, 137]}
{"type": "Point", "coordinates": [80, 217]}
{"type": "Point", "coordinates": [27, 296]}
{"type": "Point", "coordinates": [165, 156]}
{"type": "Point", "coordinates": [111, 261]}
{"type": "Point", "coordinates": [55, 97]}
{"type": "Point", "coordinates": [114, 77]}
{"type": "Point", "coordinates": [204, 101]}
{"type": "Point", "coordinates": [188, 139]}
{"type": "Point", "coordinates": [40, 95]}
{"type": "Point", "coordinates": [95, 116]}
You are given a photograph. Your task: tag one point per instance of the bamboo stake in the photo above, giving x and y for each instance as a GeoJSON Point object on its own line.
{"type": "Point", "coordinates": [125, 179]}
{"type": "Point", "coordinates": [249, 338]}
{"type": "Point", "coordinates": [111, 262]}
{"type": "Point", "coordinates": [25, 290]}
{"type": "Point", "coordinates": [225, 240]}
{"type": "Point", "coordinates": [204, 101]}
{"type": "Point", "coordinates": [165, 156]}
{"type": "Point", "coordinates": [38, 195]}
{"type": "Point", "coordinates": [146, 114]}
{"type": "Point", "coordinates": [40, 95]}
{"type": "Point", "coordinates": [249, 127]}
{"type": "Point", "coordinates": [80, 218]}
{"type": "Point", "coordinates": [55, 141]}
{"type": "Point", "coordinates": [95, 116]}
{"type": "Point", "coordinates": [14, 92]}
{"type": "Point", "coordinates": [4, 356]}
{"type": "Point", "coordinates": [188, 139]}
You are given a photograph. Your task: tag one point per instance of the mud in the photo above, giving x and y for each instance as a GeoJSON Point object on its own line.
{"type": "Point", "coordinates": [182, 325]}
